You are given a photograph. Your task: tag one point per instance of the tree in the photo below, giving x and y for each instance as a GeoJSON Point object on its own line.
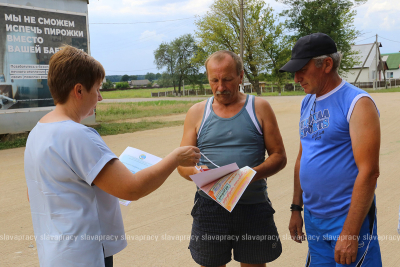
{"type": "Point", "coordinates": [219, 29]}
{"type": "Point", "coordinates": [275, 44]}
{"type": "Point", "coordinates": [107, 85]}
{"type": "Point", "coordinates": [177, 56]}
{"type": "Point", "coordinates": [133, 77]}
{"type": "Point", "coordinates": [125, 78]}
{"type": "Point", "coordinates": [150, 76]}
{"type": "Point", "coordinates": [164, 56]}
{"type": "Point", "coordinates": [332, 17]}
{"type": "Point", "coordinates": [165, 80]}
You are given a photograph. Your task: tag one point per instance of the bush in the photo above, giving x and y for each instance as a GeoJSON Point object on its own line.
{"type": "Point", "coordinates": [108, 85]}
{"type": "Point", "coordinates": [122, 85]}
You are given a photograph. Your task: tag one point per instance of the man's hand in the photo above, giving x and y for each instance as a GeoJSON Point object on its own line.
{"type": "Point", "coordinates": [296, 227]}
{"type": "Point", "coordinates": [346, 248]}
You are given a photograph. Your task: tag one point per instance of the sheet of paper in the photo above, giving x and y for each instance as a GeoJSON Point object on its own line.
{"type": "Point", "coordinates": [204, 178]}
{"type": "Point", "coordinates": [135, 160]}
{"type": "Point", "coordinates": [228, 190]}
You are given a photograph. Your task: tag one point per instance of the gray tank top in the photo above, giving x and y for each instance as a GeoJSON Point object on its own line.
{"type": "Point", "coordinates": [237, 139]}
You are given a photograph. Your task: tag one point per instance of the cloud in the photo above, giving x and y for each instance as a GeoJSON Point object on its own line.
{"type": "Point", "coordinates": [153, 8]}
{"type": "Point", "coordinates": [378, 14]}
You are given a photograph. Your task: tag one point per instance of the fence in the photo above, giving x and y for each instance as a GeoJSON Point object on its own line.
{"type": "Point", "coordinates": [267, 88]}
{"type": "Point", "coordinates": [183, 93]}
{"type": "Point", "coordinates": [379, 84]}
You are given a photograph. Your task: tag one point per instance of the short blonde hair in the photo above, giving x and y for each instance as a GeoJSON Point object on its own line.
{"type": "Point", "coordinates": [220, 55]}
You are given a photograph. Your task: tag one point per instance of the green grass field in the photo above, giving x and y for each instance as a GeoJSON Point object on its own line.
{"type": "Point", "coordinates": [143, 93]}
{"type": "Point", "coordinates": [108, 112]}
{"type": "Point", "coordinates": [140, 93]}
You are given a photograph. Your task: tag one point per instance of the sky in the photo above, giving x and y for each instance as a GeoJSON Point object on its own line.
{"type": "Point", "coordinates": [125, 33]}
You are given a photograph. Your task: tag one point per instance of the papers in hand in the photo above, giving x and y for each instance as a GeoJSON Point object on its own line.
{"type": "Point", "coordinates": [136, 160]}
{"type": "Point", "coordinates": [225, 184]}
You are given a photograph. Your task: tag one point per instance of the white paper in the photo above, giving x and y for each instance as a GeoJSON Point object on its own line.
{"type": "Point", "coordinates": [135, 160]}
{"type": "Point", "coordinates": [203, 178]}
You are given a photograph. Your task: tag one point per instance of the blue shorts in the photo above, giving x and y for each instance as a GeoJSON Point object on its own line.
{"type": "Point", "coordinates": [322, 235]}
{"type": "Point", "coordinates": [249, 230]}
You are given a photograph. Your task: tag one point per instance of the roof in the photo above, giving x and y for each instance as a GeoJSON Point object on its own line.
{"type": "Point", "coordinates": [363, 53]}
{"type": "Point", "coordinates": [392, 60]}
{"type": "Point", "coordinates": [139, 82]}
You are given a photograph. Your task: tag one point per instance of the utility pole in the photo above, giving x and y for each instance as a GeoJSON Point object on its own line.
{"type": "Point", "coordinates": [377, 63]}
{"type": "Point", "coordinates": [241, 37]}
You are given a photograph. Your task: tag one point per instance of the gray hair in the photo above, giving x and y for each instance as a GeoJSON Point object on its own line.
{"type": "Point", "coordinates": [336, 57]}
{"type": "Point", "coordinates": [220, 55]}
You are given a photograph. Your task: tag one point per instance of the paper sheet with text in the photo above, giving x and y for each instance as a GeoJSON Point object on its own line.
{"type": "Point", "coordinates": [136, 160]}
{"type": "Point", "coordinates": [225, 184]}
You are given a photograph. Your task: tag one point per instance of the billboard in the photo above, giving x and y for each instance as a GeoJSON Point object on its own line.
{"type": "Point", "coordinates": [28, 38]}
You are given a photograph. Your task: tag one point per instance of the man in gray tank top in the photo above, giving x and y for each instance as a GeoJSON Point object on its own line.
{"type": "Point", "coordinates": [234, 127]}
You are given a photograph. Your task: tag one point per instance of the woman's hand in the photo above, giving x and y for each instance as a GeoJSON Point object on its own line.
{"type": "Point", "coordinates": [187, 156]}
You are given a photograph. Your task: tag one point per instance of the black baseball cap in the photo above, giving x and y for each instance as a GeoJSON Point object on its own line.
{"type": "Point", "coordinates": [307, 47]}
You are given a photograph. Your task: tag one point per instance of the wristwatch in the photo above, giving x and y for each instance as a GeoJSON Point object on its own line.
{"type": "Point", "coordinates": [295, 207]}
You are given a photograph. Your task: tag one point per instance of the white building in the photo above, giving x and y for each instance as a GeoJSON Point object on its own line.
{"type": "Point", "coordinates": [367, 64]}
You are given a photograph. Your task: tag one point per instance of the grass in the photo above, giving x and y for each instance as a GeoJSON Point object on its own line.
{"type": "Point", "coordinates": [126, 127]}
{"type": "Point", "coordinates": [389, 90]}
{"type": "Point", "coordinates": [140, 93]}
{"type": "Point", "coordinates": [105, 129]}
{"type": "Point", "coordinates": [286, 93]}
{"type": "Point", "coordinates": [108, 112]}
{"type": "Point", "coordinates": [18, 142]}
{"type": "Point", "coordinates": [134, 93]}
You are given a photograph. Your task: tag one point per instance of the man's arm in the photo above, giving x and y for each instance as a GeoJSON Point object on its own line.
{"type": "Point", "coordinates": [365, 138]}
{"type": "Point", "coordinates": [296, 220]}
{"type": "Point", "coordinates": [189, 138]}
{"type": "Point", "coordinates": [276, 160]}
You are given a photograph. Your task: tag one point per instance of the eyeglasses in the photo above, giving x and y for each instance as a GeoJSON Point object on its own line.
{"type": "Point", "coordinates": [312, 111]}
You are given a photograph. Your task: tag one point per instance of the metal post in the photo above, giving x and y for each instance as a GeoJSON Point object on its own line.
{"type": "Point", "coordinates": [376, 63]}
{"type": "Point", "coordinates": [241, 37]}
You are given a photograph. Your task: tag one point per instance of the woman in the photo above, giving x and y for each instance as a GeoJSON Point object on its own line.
{"type": "Point", "coordinates": [74, 180]}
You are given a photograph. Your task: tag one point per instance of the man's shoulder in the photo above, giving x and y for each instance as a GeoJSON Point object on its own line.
{"type": "Point", "coordinates": [260, 102]}
{"type": "Point", "coordinates": [196, 111]}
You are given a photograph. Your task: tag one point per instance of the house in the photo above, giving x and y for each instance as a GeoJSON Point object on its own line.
{"type": "Point", "coordinates": [139, 83]}
{"type": "Point", "coordinates": [393, 63]}
{"type": "Point", "coordinates": [367, 66]}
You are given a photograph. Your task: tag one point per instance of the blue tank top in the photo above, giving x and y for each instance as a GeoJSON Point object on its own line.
{"type": "Point", "coordinates": [237, 139]}
{"type": "Point", "coordinates": [327, 167]}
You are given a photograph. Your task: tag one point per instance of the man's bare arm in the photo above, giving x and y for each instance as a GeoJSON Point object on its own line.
{"type": "Point", "coordinates": [296, 220]}
{"type": "Point", "coordinates": [189, 138]}
{"type": "Point", "coordinates": [365, 138]}
{"type": "Point", "coordinates": [276, 160]}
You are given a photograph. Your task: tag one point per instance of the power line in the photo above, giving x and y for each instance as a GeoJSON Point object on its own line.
{"type": "Point", "coordinates": [388, 39]}
{"type": "Point", "coordinates": [139, 22]}
{"type": "Point", "coordinates": [130, 70]}
{"type": "Point", "coordinates": [366, 39]}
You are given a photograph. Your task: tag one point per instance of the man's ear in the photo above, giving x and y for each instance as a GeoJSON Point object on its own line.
{"type": "Point", "coordinates": [78, 91]}
{"type": "Point", "coordinates": [328, 65]}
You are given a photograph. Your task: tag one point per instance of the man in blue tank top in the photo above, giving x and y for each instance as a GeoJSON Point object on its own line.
{"type": "Point", "coordinates": [234, 127]}
{"type": "Point", "coordinates": [338, 163]}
